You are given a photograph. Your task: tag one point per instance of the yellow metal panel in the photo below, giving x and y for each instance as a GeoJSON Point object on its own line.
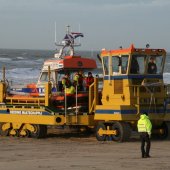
{"type": "Point", "coordinates": [116, 117]}
{"type": "Point", "coordinates": [32, 119]}
{"type": "Point", "coordinates": [107, 132]}
{"type": "Point", "coordinates": [118, 86]}
{"type": "Point", "coordinates": [117, 92]}
{"type": "Point", "coordinates": [108, 117]}
{"type": "Point", "coordinates": [80, 120]}
{"type": "Point", "coordinates": [48, 120]}
{"type": "Point", "coordinates": [108, 107]}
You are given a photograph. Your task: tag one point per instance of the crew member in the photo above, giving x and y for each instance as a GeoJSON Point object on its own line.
{"type": "Point", "coordinates": [78, 80]}
{"type": "Point", "coordinates": [144, 128]}
{"type": "Point", "coordinates": [70, 91]}
{"type": "Point", "coordinates": [89, 80]}
{"type": "Point", "coordinates": [134, 66]}
{"type": "Point", "coordinates": [66, 81]}
{"type": "Point", "coordinates": [152, 68]}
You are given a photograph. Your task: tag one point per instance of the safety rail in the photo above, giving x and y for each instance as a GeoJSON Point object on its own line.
{"type": "Point", "coordinates": [153, 96]}
{"type": "Point", "coordinates": [94, 94]}
{"type": "Point", "coordinates": [25, 100]}
{"type": "Point", "coordinates": [167, 89]}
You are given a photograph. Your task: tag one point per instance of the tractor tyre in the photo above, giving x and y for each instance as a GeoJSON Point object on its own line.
{"type": "Point", "coordinates": [123, 131]}
{"type": "Point", "coordinates": [99, 136]}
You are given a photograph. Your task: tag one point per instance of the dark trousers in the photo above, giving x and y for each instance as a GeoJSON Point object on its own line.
{"type": "Point", "coordinates": [145, 139]}
{"type": "Point", "coordinates": [70, 100]}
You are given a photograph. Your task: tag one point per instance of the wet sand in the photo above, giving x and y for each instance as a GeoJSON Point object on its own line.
{"type": "Point", "coordinates": [80, 152]}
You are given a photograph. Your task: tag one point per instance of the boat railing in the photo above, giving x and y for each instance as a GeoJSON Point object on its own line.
{"type": "Point", "coordinates": [31, 100]}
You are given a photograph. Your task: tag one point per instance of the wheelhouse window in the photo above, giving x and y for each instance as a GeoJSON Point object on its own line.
{"type": "Point", "coordinates": [138, 64]}
{"type": "Point", "coordinates": [115, 64]}
{"type": "Point", "coordinates": [155, 64]}
{"type": "Point", "coordinates": [124, 63]}
{"type": "Point", "coordinates": [44, 77]}
{"type": "Point", "coordinates": [106, 65]}
{"type": "Point", "coordinates": [60, 76]}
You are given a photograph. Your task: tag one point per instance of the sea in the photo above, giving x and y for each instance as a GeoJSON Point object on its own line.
{"type": "Point", "coordinates": [24, 66]}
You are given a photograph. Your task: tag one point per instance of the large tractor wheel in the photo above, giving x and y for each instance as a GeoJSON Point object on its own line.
{"type": "Point", "coordinates": [4, 129]}
{"type": "Point", "coordinates": [123, 131]}
{"type": "Point", "coordinates": [165, 131]}
{"type": "Point", "coordinates": [40, 131]}
{"type": "Point", "coordinates": [99, 136]}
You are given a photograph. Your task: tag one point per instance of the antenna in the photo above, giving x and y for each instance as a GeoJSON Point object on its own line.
{"type": "Point", "coordinates": [55, 34]}
{"type": "Point", "coordinates": [92, 53]}
{"type": "Point", "coordinates": [79, 31]}
{"type": "Point", "coordinates": [68, 29]}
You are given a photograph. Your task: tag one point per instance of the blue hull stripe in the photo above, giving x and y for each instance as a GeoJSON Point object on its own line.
{"type": "Point", "coordinates": [133, 77]}
{"type": "Point", "coordinates": [130, 111]}
{"type": "Point", "coordinates": [115, 111]}
{"type": "Point", "coordinates": [3, 112]}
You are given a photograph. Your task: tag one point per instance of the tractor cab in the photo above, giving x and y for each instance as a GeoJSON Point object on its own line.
{"type": "Point", "coordinates": [134, 64]}
{"type": "Point", "coordinates": [127, 69]}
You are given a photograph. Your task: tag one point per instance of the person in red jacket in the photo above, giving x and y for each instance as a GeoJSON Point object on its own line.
{"type": "Point", "coordinates": [89, 80]}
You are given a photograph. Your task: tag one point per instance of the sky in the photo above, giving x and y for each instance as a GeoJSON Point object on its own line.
{"type": "Point", "coordinates": [29, 24]}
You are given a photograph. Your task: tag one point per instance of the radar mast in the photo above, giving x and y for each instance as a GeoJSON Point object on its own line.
{"type": "Point", "coordinates": [68, 42]}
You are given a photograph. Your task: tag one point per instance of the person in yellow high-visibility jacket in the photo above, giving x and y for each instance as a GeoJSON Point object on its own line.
{"type": "Point", "coordinates": [144, 128]}
{"type": "Point", "coordinates": [78, 80]}
{"type": "Point", "coordinates": [66, 81]}
{"type": "Point", "coordinates": [70, 91]}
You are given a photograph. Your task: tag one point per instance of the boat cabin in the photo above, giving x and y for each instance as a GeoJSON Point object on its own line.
{"type": "Point", "coordinates": [58, 68]}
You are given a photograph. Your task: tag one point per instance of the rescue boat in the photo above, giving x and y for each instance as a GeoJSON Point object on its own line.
{"type": "Point", "coordinates": [54, 69]}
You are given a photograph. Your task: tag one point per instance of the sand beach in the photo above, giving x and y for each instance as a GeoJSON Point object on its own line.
{"type": "Point", "coordinates": [65, 151]}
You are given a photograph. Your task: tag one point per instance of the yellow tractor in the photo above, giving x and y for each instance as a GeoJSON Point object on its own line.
{"type": "Point", "coordinates": [132, 84]}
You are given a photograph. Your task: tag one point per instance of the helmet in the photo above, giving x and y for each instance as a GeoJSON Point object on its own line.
{"type": "Point", "coordinates": [145, 113]}
{"type": "Point", "coordinates": [68, 74]}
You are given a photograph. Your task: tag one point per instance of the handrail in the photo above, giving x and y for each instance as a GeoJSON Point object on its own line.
{"type": "Point", "coordinates": [93, 95]}
{"type": "Point", "coordinates": [150, 97]}
{"type": "Point", "coordinates": [76, 105]}
{"type": "Point", "coordinates": [30, 100]}
{"type": "Point", "coordinates": [65, 105]}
